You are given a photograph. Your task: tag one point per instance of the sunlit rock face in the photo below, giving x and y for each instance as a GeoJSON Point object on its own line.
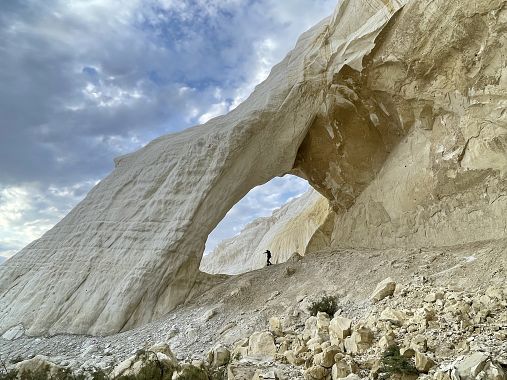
{"type": "Point", "coordinates": [289, 229]}
{"type": "Point", "coordinates": [397, 118]}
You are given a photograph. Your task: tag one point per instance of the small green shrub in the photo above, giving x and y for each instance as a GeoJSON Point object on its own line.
{"type": "Point", "coordinates": [326, 304]}
{"type": "Point", "coordinates": [394, 363]}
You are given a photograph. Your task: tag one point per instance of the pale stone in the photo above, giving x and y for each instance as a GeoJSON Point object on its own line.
{"type": "Point", "coordinates": [494, 371]}
{"type": "Point", "coordinates": [343, 367]}
{"type": "Point", "coordinates": [134, 364]}
{"type": "Point", "coordinates": [241, 372]}
{"type": "Point", "coordinates": [163, 348]}
{"type": "Point", "coordinates": [310, 330]}
{"type": "Point", "coordinates": [384, 289]}
{"type": "Point", "coordinates": [14, 333]}
{"type": "Point", "coordinates": [405, 205]}
{"type": "Point", "coordinates": [39, 364]}
{"type": "Point", "coordinates": [322, 325]}
{"type": "Point", "coordinates": [339, 329]}
{"type": "Point", "coordinates": [240, 349]}
{"type": "Point", "coordinates": [328, 355]}
{"type": "Point", "coordinates": [360, 340]}
{"type": "Point", "coordinates": [407, 352]}
{"type": "Point", "coordinates": [315, 373]}
{"type": "Point", "coordinates": [394, 316]}
{"type": "Point", "coordinates": [275, 326]}
{"type": "Point", "coordinates": [423, 362]}
{"type": "Point", "coordinates": [261, 344]}
{"type": "Point", "coordinates": [188, 371]}
{"type": "Point", "coordinates": [469, 367]}
{"type": "Point", "coordinates": [221, 356]}
{"type": "Point", "coordinates": [208, 315]}
{"type": "Point", "coordinates": [387, 340]}
{"type": "Point", "coordinates": [419, 343]}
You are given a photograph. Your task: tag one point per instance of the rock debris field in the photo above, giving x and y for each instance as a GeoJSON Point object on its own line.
{"type": "Point", "coordinates": [448, 308]}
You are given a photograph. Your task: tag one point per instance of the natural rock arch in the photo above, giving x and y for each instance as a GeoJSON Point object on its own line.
{"type": "Point", "coordinates": [130, 251]}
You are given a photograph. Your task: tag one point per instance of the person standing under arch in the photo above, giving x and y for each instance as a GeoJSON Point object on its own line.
{"type": "Point", "coordinates": [268, 255]}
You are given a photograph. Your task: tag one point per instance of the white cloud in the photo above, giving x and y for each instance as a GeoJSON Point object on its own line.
{"type": "Point", "coordinates": [215, 110]}
{"type": "Point", "coordinates": [27, 212]}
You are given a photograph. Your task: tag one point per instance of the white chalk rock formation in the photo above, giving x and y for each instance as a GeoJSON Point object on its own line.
{"type": "Point", "coordinates": [130, 251]}
{"type": "Point", "coordinates": [394, 110]}
{"type": "Point", "coordinates": [289, 229]}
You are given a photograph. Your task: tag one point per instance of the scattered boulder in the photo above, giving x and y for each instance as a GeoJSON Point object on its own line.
{"type": "Point", "coordinates": [393, 316]}
{"type": "Point", "coordinates": [344, 367]}
{"type": "Point", "coordinates": [219, 356]}
{"type": "Point", "coordinates": [14, 333]}
{"type": "Point", "coordinates": [360, 340]}
{"type": "Point", "coordinates": [322, 325]}
{"type": "Point", "coordinates": [163, 348]}
{"type": "Point", "coordinates": [38, 365]}
{"type": "Point", "coordinates": [275, 326]}
{"type": "Point", "coordinates": [387, 340]}
{"type": "Point", "coordinates": [339, 329]}
{"type": "Point", "coordinates": [384, 289]}
{"type": "Point", "coordinates": [326, 358]}
{"type": "Point", "coordinates": [470, 366]}
{"type": "Point", "coordinates": [157, 359]}
{"type": "Point", "coordinates": [423, 362]}
{"type": "Point", "coordinates": [261, 344]}
{"type": "Point", "coordinates": [419, 343]}
{"type": "Point", "coordinates": [208, 315]}
{"type": "Point", "coordinates": [188, 371]}
{"type": "Point", "coordinates": [315, 373]}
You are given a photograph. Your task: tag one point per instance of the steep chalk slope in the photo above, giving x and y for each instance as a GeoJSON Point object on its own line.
{"type": "Point", "coordinates": [130, 251]}
{"type": "Point", "coordinates": [288, 230]}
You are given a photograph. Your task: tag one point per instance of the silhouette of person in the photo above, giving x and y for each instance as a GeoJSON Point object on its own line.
{"type": "Point", "coordinates": [268, 254]}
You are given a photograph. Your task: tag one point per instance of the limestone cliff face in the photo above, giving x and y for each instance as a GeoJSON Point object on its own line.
{"type": "Point", "coordinates": [394, 110]}
{"type": "Point", "coordinates": [288, 230]}
{"type": "Point", "coordinates": [444, 182]}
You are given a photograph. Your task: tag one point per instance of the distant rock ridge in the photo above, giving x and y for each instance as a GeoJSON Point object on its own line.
{"type": "Point", "coordinates": [289, 229]}
{"type": "Point", "coordinates": [393, 110]}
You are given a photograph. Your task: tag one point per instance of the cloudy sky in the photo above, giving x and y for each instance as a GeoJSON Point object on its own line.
{"type": "Point", "coordinates": [83, 81]}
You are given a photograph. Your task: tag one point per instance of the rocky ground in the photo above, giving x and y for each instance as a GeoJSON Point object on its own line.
{"type": "Point", "coordinates": [449, 309]}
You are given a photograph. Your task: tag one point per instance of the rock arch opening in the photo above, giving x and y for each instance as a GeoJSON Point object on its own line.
{"type": "Point", "coordinates": [282, 215]}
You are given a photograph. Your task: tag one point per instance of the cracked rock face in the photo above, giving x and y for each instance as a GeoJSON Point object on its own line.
{"type": "Point", "coordinates": [397, 118]}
